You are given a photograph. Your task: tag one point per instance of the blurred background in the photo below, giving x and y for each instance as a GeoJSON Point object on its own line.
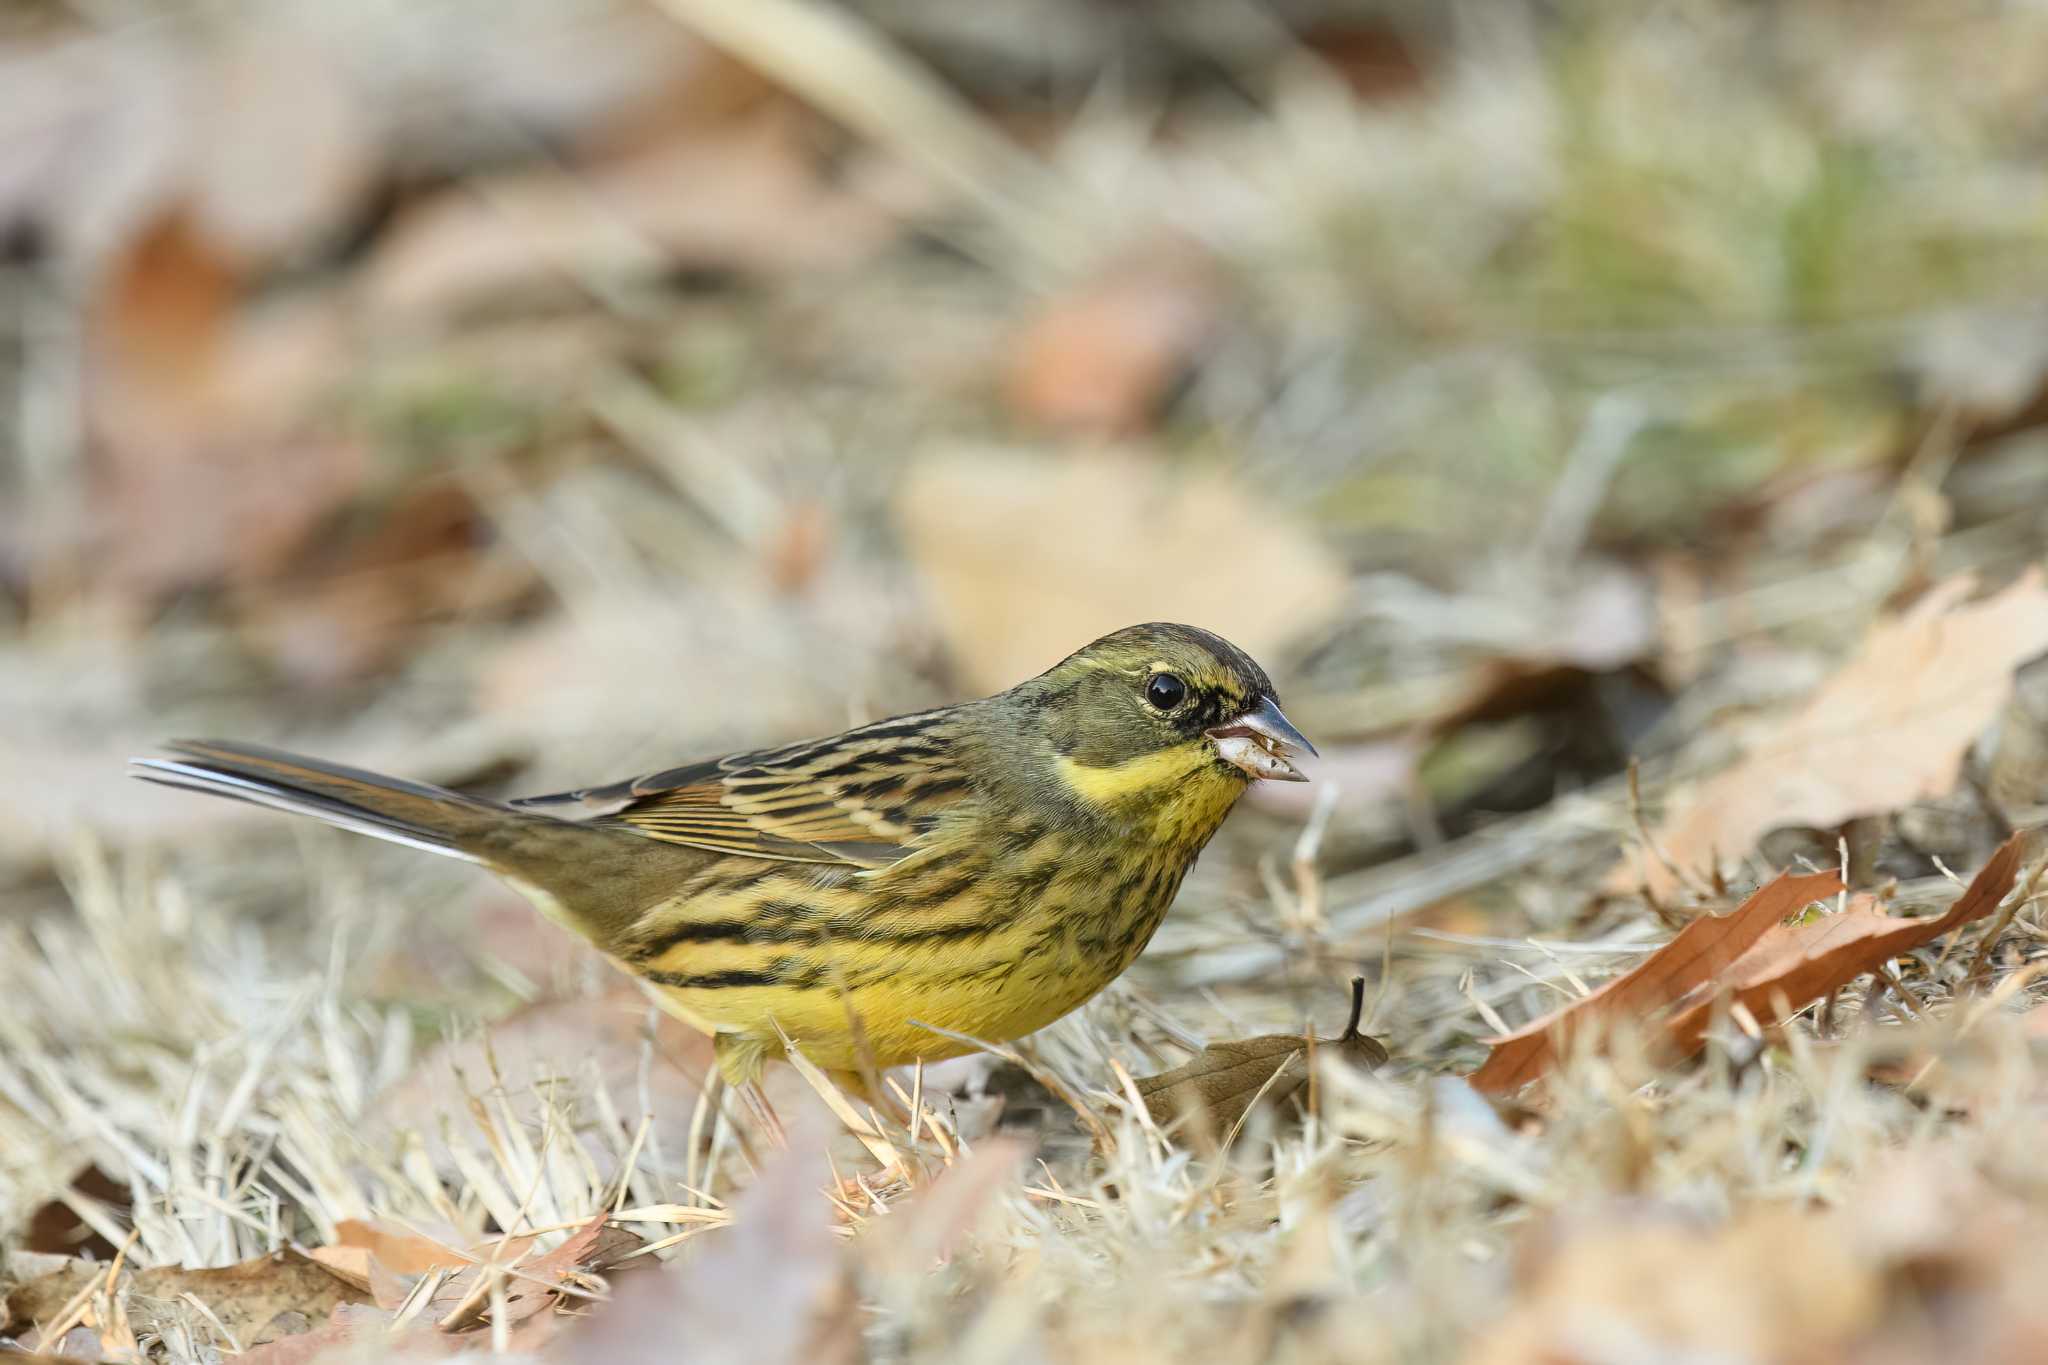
{"type": "Point", "coordinates": [524, 393]}
{"type": "Point", "coordinates": [573, 387]}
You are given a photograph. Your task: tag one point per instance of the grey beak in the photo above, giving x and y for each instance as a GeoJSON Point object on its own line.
{"type": "Point", "coordinates": [1262, 742]}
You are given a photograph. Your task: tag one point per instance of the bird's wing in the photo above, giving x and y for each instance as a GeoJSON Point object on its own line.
{"type": "Point", "coordinates": [863, 798]}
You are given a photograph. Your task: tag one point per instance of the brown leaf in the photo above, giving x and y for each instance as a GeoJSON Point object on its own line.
{"type": "Point", "coordinates": [1921, 689]}
{"type": "Point", "coordinates": [1225, 1080]}
{"type": "Point", "coordinates": [357, 1245]}
{"type": "Point", "coordinates": [256, 1300]}
{"type": "Point", "coordinates": [1014, 596]}
{"type": "Point", "coordinates": [1103, 356]}
{"type": "Point", "coordinates": [462, 1301]}
{"type": "Point", "coordinates": [1697, 955]}
{"type": "Point", "coordinates": [1799, 963]}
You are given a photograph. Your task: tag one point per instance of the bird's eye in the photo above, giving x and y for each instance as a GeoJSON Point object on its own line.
{"type": "Point", "coordinates": [1165, 691]}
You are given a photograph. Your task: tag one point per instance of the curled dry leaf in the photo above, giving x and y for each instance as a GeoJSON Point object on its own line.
{"type": "Point", "coordinates": [1793, 964]}
{"type": "Point", "coordinates": [1225, 1080]}
{"type": "Point", "coordinates": [1919, 692]}
{"type": "Point", "coordinates": [1697, 956]}
{"type": "Point", "coordinates": [358, 1244]}
{"type": "Point", "coordinates": [1754, 959]}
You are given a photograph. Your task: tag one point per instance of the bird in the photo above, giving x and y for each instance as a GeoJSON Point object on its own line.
{"type": "Point", "coordinates": [884, 896]}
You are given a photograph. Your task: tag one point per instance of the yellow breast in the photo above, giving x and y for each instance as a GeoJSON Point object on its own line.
{"type": "Point", "coordinates": [993, 932]}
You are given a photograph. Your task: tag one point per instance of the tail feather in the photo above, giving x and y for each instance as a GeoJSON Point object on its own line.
{"type": "Point", "coordinates": [595, 880]}
{"type": "Point", "coordinates": [410, 813]}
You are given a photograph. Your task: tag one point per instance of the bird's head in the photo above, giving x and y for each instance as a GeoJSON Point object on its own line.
{"type": "Point", "coordinates": [1149, 707]}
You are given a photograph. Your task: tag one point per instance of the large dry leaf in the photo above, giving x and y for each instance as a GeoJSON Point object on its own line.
{"type": "Point", "coordinates": [1695, 957]}
{"type": "Point", "coordinates": [1889, 729]}
{"type": "Point", "coordinates": [1028, 559]}
{"type": "Point", "coordinates": [938, 1219]}
{"type": "Point", "coordinates": [1794, 964]}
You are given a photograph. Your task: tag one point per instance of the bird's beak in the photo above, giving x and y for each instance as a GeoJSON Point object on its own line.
{"type": "Point", "coordinates": [1263, 742]}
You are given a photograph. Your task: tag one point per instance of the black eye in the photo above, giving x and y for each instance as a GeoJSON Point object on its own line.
{"type": "Point", "coordinates": [1165, 691]}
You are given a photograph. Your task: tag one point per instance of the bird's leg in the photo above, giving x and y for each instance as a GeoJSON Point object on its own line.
{"type": "Point", "coordinates": [876, 1096]}
{"type": "Point", "coordinates": [764, 1113]}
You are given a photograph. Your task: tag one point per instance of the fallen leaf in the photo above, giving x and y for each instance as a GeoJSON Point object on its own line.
{"type": "Point", "coordinates": [357, 1333]}
{"type": "Point", "coordinates": [1697, 955]}
{"type": "Point", "coordinates": [1751, 958]}
{"type": "Point", "coordinates": [773, 1288]}
{"type": "Point", "coordinates": [356, 1244]}
{"type": "Point", "coordinates": [1029, 559]}
{"type": "Point", "coordinates": [256, 1300]}
{"type": "Point", "coordinates": [462, 1300]}
{"type": "Point", "coordinates": [1103, 356]}
{"type": "Point", "coordinates": [1798, 963]}
{"type": "Point", "coordinates": [1224, 1080]}
{"type": "Point", "coordinates": [1919, 692]}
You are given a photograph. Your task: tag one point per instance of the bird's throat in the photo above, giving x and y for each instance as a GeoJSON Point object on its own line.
{"type": "Point", "coordinates": [1176, 797]}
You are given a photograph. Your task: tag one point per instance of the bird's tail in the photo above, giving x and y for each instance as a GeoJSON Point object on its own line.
{"type": "Point", "coordinates": [411, 813]}
{"type": "Point", "coordinates": [590, 878]}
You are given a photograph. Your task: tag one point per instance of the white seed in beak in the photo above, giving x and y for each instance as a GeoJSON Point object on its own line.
{"type": "Point", "coordinates": [1250, 753]}
{"type": "Point", "coordinates": [1263, 743]}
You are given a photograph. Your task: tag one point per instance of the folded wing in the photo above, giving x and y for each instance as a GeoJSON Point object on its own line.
{"type": "Point", "coordinates": [865, 798]}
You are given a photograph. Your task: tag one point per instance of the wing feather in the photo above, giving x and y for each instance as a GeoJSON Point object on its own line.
{"type": "Point", "coordinates": [865, 798]}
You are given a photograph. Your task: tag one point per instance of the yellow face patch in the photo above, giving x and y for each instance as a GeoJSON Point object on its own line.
{"type": "Point", "coordinates": [1182, 793]}
{"type": "Point", "coordinates": [1147, 775]}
